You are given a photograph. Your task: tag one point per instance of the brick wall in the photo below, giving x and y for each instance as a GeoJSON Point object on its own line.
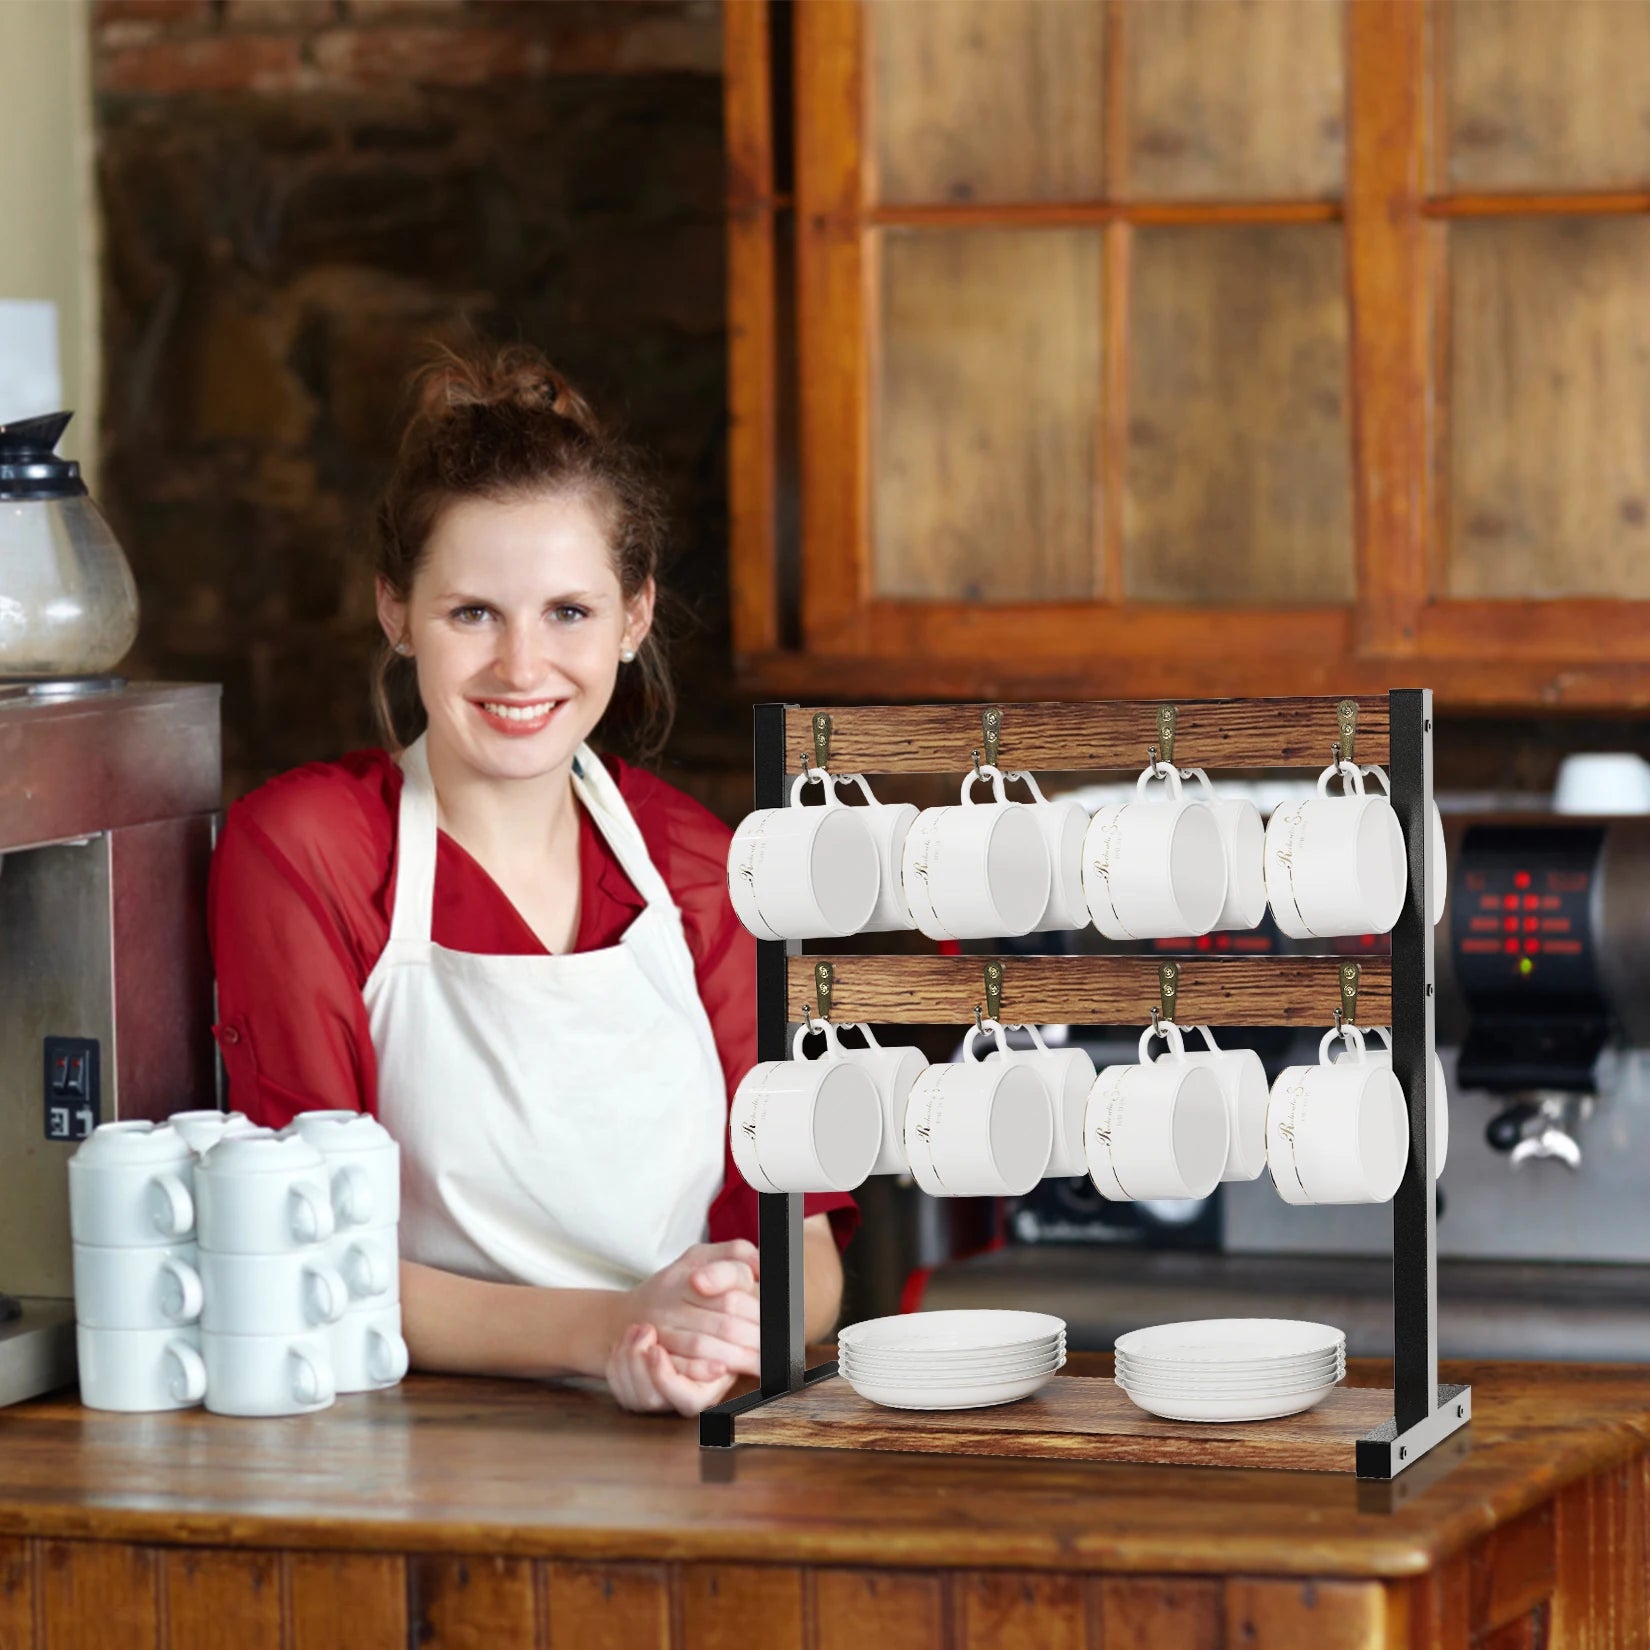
{"type": "Point", "coordinates": [296, 194]}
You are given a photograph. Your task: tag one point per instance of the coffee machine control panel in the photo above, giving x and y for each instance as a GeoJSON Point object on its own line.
{"type": "Point", "coordinates": [73, 1087]}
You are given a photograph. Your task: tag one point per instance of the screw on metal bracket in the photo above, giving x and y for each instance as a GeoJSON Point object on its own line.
{"type": "Point", "coordinates": [1168, 986]}
{"type": "Point", "coordinates": [822, 739]}
{"type": "Point", "coordinates": [1350, 974]}
{"type": "Point", "coordinates": [824, 974]}
{"type": "Point", "coordinates": [994, 990]}
{"type": "Point", "coordinates": [1346, 720]}
{"type": "Point", "coordinates": [991, 722]}
{"type": "Point", "coordinates": [1165, 732]}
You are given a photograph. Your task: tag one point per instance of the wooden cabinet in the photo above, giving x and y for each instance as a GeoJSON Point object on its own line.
{"type": "Point", "coordinates": [1178, 347]}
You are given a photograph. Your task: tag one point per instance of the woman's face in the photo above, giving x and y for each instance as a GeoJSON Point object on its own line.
{"type": "Point", "coordinates": [516, 622]}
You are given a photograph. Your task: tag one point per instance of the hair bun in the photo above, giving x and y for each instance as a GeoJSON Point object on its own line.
{"type": "Point", "coordinates": [516, 377]}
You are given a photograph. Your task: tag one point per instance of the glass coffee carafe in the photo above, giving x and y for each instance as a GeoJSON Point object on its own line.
{"type": "Point", "coordinates": [68, 606]}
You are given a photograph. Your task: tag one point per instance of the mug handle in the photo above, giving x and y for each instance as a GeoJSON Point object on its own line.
{"type": "Point", "coordinates": [1352, 779]}
{"type": "Point", "coordinates": [171, 1208]}
{"type": "Point", "coordinates": [833, 1049]}
{"type": "Point", "coordinates": [1208, 791]}
{"type": "Point", "coordinates": [327, 1293]}
{"type": "Point", "coordinates": [188, 1385]}
{"type": "Point", "coordinates": [863, 1029]}
{"type": "Point", "coordinates": [387, 1356]}
{"type": "Point", "coordinates": [864, 788]}
{"type": "Point", "coordinates": [1031, 785]}
{"type": "Point", "coordinates": [827, 783]}
{"type": "Point", "coordinates": [1162, 771]}
{"type": "Point", "coordinates": [190, 1295]}
{"type": "Point", "coordinates": [1209, 1038]}
{"type": "Point", "coordinates": [1170, 1033]}
{"type": "Point", "coordinates": [1379, 776]}
{"type": "Point", "coordinates": [352, 1196]}
{"type": "Point", "coordinates": [311, 1384]}
{"type": "Point", "coordinates": [985, 771]}
{"type": "Point", "coordinates": [992, 1028]}
{"type": "Point", "coordinates": [311, 1220]}
{"type": "Point", "coordinates": [1036, 1034]}
{"type": "Point", "coordinates": [1353, 1038]}
{"type": "Point", "coordinates": [365, 1272]}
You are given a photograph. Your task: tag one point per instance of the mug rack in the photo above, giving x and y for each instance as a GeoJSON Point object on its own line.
{"type": "Point", "coordinates": [1377, 1433]}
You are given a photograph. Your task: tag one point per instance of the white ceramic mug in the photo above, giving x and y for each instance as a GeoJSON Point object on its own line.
{"type": "Point", "coordinates": [368, 1352]}
{"type": "Point", "coordinates": [889, 824]}
{"type": "Point", "coordinates": [130, 1186]}
{"type": "Point", "coordinates": [1067, 1075]}
{"type": "Point", "coordinates": [204, 1129]}
{"type": "Point", "coordinates": [895, 1071]}
{"type": "Point", "coordinates": [1154, 868]}
{"type": "Point", "coordinates": [1243, 835]}
{"type": "Point", "coordinates": [262, 1194]}
{"type": "Point", "coordinates": [147, 1288]}
{"type": "Point", "coordinates": [1335, 865]}
{"type": "Point", "coordinates": [363, 1160]}
{"type": "Point", "coordinates": [140, 1369]}
{"type": "Point", "coordinates": [1243, 1087]}
{"type": "Point", "coordinates": [270, 1294]}
{"type": "Point", "coordinates": [1440, 1098]}
{"type": "Point", "coordinates": [268, 1374]}
{"type": "Point", "coordinates": [801, 873]}
{"type": "Point", "coordinates": [368, 1259]}
{"type": "Point", "coordinates": [1337, 1132]}
{"type": "Point", "coordinates": [802, 1125]}
{"type": "Point", "coordinates": [1440, 854]}
{"type": "Point", "coordinates": [1064, 824]}
{"type": "Point", "coordinates": [978, 1129]}
{"type": "Point", "coordinates": [1157, 1129]}
{"type": "Point", "coordinates": [978, 870]}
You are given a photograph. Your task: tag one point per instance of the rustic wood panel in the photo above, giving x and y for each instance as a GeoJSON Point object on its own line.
{"type": "Point", "coordinates": [608, 1606]}
{"type": "Point", "coordinates": [16, 1593]}
{"type": "Point", "coordinates": [1440, 1604]}
{"type": "Point", "coordinates": [854, 1609]}
{"type": "Point", "coordinates": [1073, 1418]}
{"type": "Point", "coordinates": [1310, 1615]}
{"type": "Point", "coordinates": [471, 1603]}
{"type": "Point", "coordinates": [1512, 1571]}
{"type": "Point", "coordinates": [1210, 733]}
{"type": "Point", "coordinates": [987, 100]}
{"type": "Point", "coordinates": [722, 1603]}
{"type": "Point", "coordinates": [1005, 1610]}
{"type": "Point", "coordinates": [1161, 1613]}
{"type": "Point", "coordinates": [347, 1601]}
{"type": "Point", "coordinates": [1602, 1589]}
{"type": "Point", "coordinates": [1549, 435]}
{"type": "Point", "coordinates": [1239, 435]}
{"type": "Point", "coordinates": [218, 1596]}
{"type": "Point", "coordinates": [980, 490]}
{"type": "Point", "coordinates": [752, 328]}
{"type": "Point", "coordinates": [1226, 99]}
{"type": "Point", "coordinates": [833, 327]}
{"type": "Point", "coordinates": [1551, 94]}
{"type": "Point", "coordinates": [95, 1596]}
{"type": "Point", "coordinates": [1388, 291]}
{"type": "Point", "coordinates": [1531, 1632]}
{"type": "Point", "coordinates": [1111, 990]}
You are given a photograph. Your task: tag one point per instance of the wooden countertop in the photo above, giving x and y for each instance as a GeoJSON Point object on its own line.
{"type": "Point", "coordinates": [480, 1466]}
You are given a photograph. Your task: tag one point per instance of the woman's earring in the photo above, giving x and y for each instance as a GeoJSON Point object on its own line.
{"type": "Point", "coordinates": [402, 649]}
{"type": "Point", "coordinates": [627, 655]}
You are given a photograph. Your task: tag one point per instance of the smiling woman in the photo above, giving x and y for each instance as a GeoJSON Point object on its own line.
{"type": "Point", "coordinates": [518, 954]}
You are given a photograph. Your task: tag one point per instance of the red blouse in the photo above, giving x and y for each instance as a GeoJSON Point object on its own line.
{"type": "Point", "coordinates": [302, 886]}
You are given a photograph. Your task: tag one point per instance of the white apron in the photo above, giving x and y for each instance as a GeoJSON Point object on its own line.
{"type": "Point", "coordinates": [560, 1118]}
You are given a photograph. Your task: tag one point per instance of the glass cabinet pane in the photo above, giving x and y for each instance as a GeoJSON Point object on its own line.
{"type": "Point", "coordinates": [1549, 422]}
{"type": "Point", "coordinates": [1233, 99]}
{"type": "Point", "coordinates": [1547, 94]}
{"type": "Point", "coordinates": [1238, 464]}
{"type": "Point", "coordinates": [986, 100]}
{"type": "Point", "coordinates": [985, 421]}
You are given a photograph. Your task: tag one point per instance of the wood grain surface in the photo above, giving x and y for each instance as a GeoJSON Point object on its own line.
{"type": "Point", "coordinates": [1108, 736]}
{"type": "Point", "coordinates": [1107, 990]}
{"type": "Point", "coordinates": [1073, 1418]}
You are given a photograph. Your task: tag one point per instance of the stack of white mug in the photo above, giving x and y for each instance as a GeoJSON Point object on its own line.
{"type": "Point", "coordinates": [259, 1276]}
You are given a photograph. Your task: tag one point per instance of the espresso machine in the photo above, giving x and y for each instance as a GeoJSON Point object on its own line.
{"type": "Point", "coordinates": [109, 793]}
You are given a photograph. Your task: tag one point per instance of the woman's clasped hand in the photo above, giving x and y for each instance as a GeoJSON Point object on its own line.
{"type": "Point", "coordinates": [686, 1333]}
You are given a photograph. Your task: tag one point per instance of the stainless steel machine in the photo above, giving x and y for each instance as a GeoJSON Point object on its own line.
{"type": "Point", "coordinates": [108, 797]}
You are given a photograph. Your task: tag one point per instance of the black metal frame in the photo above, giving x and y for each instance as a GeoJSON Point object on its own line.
{"type": "Point", "coordinates": [1425, 1413]}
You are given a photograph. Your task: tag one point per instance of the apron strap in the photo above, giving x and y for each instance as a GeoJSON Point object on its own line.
{"type": "Point", "coordinates": [414, 848]}
{"type": "Point", "coordinates": [606, 805]}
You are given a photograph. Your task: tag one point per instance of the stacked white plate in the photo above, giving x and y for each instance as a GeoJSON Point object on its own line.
{"type": "Point", "coordinates": [1230, 1369]}
{"type": "Point", "coordinates": [951, 1360]}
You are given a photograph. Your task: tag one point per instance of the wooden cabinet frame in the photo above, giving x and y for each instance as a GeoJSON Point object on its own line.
{"type": "Point", "coordinates": [837, 638]}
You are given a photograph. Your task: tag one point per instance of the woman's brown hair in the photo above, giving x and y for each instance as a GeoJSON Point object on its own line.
{"type": "Point", "coordinates": [504, 424]}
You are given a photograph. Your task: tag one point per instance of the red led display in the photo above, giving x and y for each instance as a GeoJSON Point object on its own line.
{"type": "Point", "coordinates": [1532, 946]}
{"type": "Point", "coordinates": [1510, 947]}
{"type": "Point", "coordinates": [1510, 903]}
{"type": "Point", "coordinates": [1521, 879]}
